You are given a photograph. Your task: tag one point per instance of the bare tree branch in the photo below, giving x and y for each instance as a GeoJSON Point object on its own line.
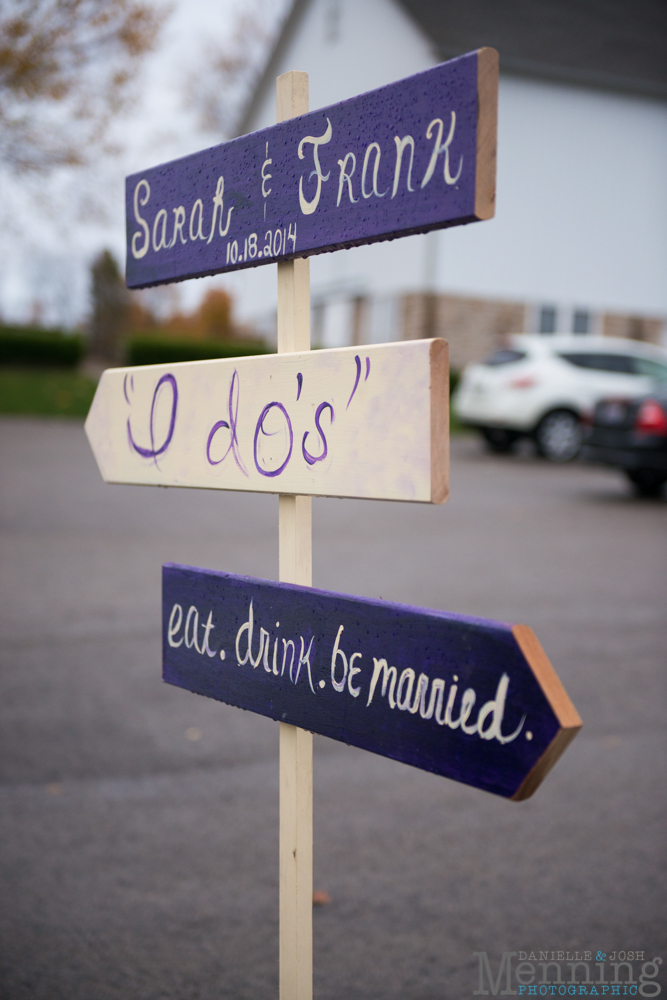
{"type": "Point", "coordinates": [218, 95]}
{"type": "Point", "coordinates": [65, 71]}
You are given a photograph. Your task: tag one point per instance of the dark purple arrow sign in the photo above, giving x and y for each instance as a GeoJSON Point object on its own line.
{"type": "Point", "coordinates": [470, 699]}
{"type": "Point", "coordinates": [416, 155]}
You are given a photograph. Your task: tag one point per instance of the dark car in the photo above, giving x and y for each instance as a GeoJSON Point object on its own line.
{"type": "Point", "coordinates": [631, 434]}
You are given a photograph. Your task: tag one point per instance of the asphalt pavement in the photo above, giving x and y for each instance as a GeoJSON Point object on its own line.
{"type": "Point", "coordinates": [139, 822]}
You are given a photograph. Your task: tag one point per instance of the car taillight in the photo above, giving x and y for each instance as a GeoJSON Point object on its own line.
{"type": "Point", "coordinates": [526, 382]}
{"type": "Point", "coordinates": [651, 418]}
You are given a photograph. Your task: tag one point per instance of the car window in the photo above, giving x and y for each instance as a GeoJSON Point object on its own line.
{"type": "Point", "coordinates": [504, 357]}
{"type": "Point", "coordinates": [624, 363]}
{"type": "Point", "coordinates": [644, 366]}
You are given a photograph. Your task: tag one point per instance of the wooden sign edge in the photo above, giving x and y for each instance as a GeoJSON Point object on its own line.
{"type": "Point", "coordinates": [552, 687]}
{"type": "Point", "coordinates": [439, 388]}
{"type": "Point", "coordinates": [487, 133]}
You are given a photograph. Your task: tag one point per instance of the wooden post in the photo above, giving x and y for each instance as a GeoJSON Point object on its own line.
{"type": "Point", "coordinates": [295, 562]}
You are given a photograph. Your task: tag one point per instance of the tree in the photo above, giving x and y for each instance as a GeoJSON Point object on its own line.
{"type": "Point", "coordinates": [65, 70]}
{"type": "Point", "coordinates": [157, 311]}
{"type": "Point", "coordinates": [233, 66]}
{"type": "Point", "coordinates": [215, 314]}
{"type": "Point", "coordinates": [110, 310]}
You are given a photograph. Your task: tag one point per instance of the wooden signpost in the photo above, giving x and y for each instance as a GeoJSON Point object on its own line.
{"type": "Point", "coordinates": [473, 700]}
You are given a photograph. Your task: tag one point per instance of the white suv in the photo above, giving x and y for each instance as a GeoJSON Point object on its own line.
{"type": "Point", "coordinates": [540, 385]}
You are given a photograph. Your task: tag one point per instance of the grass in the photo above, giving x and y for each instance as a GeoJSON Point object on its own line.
{"type": "Point", "coordinates": [47, 392]}
{"type": "Point", "coordinates": [59, 392]}
{"type": "Point", "coordinates": [455, 426]}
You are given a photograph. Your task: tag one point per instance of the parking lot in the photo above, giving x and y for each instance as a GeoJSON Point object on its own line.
{"type": "Point", "coordinates": [139, 823]}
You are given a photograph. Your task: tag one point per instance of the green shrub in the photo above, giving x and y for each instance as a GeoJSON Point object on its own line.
{"type": "Point", "coordinates": [151, 351]}
{"type": "Point", "coordinates": [40, 348]}
{"type": "Point", "coordinates": [44, 391]}
{"type": "Point", "coordinates": [454, 377]}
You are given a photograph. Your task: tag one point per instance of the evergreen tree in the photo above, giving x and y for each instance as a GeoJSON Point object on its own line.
{"type": "Point", "coordinates": [110, 306]}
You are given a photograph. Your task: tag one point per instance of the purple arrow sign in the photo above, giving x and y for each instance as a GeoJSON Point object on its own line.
{"type": "Point", "coordinates": [416, 155]}
{"type": "Point", "coordinates": [466, 698]}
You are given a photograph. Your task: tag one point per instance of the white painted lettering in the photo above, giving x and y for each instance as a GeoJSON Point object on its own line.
{"type": "Point", "coordinates": [400, 146]}
{"type": "Point", "coordinates": [264, 643]}
{"type": "Point", "coordinates": [448, 177]}
{"type": "Point", "coordinates": [286, 643]}
{"type": "Point", "coordinates": [145, 232]}
{"type": "Point", "coordinates": [174, 626]}
{"type": "Point", "coordinates": [354, 691]}
{"type": "Point", "coordinates": [266, 176]}
{"type": "Point", "coordinates": [198, 207]}
{"type": "Point", "coordinates": [308, 207]}
{"type": "Point", "coordinates": [179, 222]}
{"type": "Point", "coordinates": [338, 685]}
{"type": "Point", "coordinates": [419, 703]}
{"type": "Point", "coordinates": [305, 659]}
{"type": "Point", "coordinates": [193, 615]}
{"type": "Point", "coordinates": [436, 149]}
{"type": "Point", "coordinates": [437, 690]}
{"type": "Point", "coordinates": [246, 627]}
{"type": "Point", "coordinates": [403, 697]}
{"type": "Point", "coordinates": [372, 148]}
{"type": "Point", "coordinates": [218, 203]}
{"type": "Point", "coordinates": [450, 704]}
{"type": "Point", "coordinates": [388, 677]}
{"type": "Point", "coordinates": [496, 709]}
{"type": "Point", "coordinates": [467, 703]}
{"type": "Point", "coordinates": [208, 627]}
{"type": "Point", "coordinates": [344, 176]}
{"type": "Point", "coordinates": [160, 220]}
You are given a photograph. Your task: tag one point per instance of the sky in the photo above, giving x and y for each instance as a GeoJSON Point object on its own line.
{"type": "Point", "coordinates": [51, 230]}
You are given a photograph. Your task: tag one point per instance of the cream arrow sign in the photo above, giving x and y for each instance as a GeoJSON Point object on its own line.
{"type": "Point", "coordinates": [366, 422]}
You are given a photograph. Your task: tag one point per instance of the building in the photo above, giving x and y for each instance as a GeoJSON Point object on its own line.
{"type": "Point", "coordinates": [579, 242]}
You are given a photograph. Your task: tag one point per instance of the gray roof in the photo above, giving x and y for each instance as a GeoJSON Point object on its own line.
{"type": "Point", "coordinates": [613, 44]}
{"type": "Point", "coordinates": [616, 45]}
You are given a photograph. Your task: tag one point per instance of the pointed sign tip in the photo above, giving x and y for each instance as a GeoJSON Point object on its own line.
{"type": "Point", "coordinates": [568, 718]}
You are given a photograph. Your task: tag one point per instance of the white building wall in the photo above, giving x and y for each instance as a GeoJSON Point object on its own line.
{"type": "Point", "coordinates": [581, 204]}
{"type": "Point", "coordinates": [582, 201]}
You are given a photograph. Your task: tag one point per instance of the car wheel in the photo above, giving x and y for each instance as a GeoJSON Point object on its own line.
{"type": "Point", "coordinates": [559, 436]}
{"type": "Point", "coordinates": [647, 482]}
{"type": "Point", "coordinates": [498, 439]}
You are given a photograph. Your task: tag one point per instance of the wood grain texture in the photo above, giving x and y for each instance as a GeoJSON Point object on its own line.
{"type": "Point", "coordinates": [295, 566]}
{"type": "Point", "coordinates": [293, 306]}
{"type": "Point", "coordinates": [462, 697]}
{"type": "Point", "coordinates": [296, 863]}
{"type": "Point", "coordinates": [291, 95]}
{"type": "Point", "coordinates": [487, 133]}
{"type": "Point", "coordinates": [398, 160]}
{"type": "Point", "coordinates": [439, 421]}
{"type": "Point", "coordinates": [295, 539]}
{"type": "Point", "coordinates": [359, 422]}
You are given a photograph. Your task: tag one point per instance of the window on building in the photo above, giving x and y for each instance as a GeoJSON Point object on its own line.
{"type": "Point", "coordinates": [581, 321]}
{"type": "Point", "coordinates": [548, 319]}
